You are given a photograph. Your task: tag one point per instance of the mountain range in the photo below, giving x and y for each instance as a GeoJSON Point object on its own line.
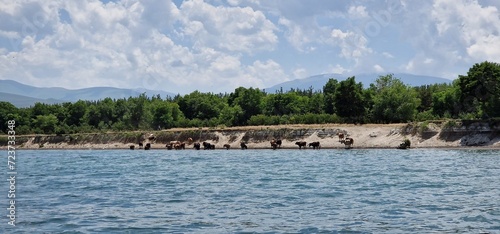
{"type": "Point", "coordinates": [21, 95]}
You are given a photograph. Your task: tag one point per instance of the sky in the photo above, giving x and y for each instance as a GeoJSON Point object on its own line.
{"type": "Point", "coordinates": [219, 45]}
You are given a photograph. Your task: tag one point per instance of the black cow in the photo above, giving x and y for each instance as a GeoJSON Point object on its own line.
{"type": "Point", "coordinates": [208, 146]}
{"type": "Point", "coordinates": [301, 144]}
{"type": "Point", "coordinates": [315, 145]}
{"type": "Point", "coordinates": [243, 146]}
{"type": "Point", "coordinates": [197, 146]}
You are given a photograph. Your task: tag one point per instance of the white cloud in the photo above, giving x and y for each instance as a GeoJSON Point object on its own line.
{"type": "Point", "coordinates": [387, 55]}
{"type": "Point", "coordinates": [378, 68]}
{"type": "Point", "coordinates": [338, 69]}
{"type": "Point", "coordinates": [357, 12]}
{"type": "Point", "coordinates": [220, 45]}
{"type": "Point", "coordinates": [228, 28]}
{"type": "Point", "coordinates": [352, 45]}
{"type": "Point", "coordinates": [299, 73]}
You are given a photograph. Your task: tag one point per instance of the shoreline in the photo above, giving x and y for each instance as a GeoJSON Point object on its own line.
{"type": "Point", "coordinates": [369, 136]}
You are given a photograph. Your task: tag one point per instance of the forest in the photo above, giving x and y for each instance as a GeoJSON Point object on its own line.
{"type": "Point", "coordinates": [475, 95]}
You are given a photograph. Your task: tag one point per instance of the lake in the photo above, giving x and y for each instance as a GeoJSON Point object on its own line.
{"type": "Point", "coordinates": [255, 191]}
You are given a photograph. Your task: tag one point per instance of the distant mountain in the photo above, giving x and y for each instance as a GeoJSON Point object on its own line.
{"type": "Point", "coordinates": [317, 82]}
{"type": "Point", "coordinates": [24, 101]}
{"type": "Point", "coordinates": [22, 95]}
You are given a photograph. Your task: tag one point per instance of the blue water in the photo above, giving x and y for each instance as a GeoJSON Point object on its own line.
{"type": "Point", "coordinates": [256, 191]}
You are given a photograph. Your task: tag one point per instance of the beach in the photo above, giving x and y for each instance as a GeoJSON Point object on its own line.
{"type": "Point", "coordinates": [370, 136]}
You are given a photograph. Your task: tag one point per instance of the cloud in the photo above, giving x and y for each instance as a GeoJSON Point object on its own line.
{"type": "Point", "coordinates": [219, 45]}
{"type": "Point", "coordinates": [228, 28]}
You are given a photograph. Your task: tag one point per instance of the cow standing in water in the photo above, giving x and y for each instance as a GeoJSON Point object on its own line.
{"type": "Point", "coordinates": [227, 146]}
{"type": "Point", "coordinates": [274, 145]}
{"type": "Point", "coordinates": [243, 146]}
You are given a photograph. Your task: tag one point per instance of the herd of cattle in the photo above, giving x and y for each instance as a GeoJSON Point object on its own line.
{"type": "Point", "coordinates": [275, 144]}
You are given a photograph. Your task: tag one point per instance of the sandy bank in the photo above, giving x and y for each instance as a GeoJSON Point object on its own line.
{"type": "Point", "coordinates": [428, 135]}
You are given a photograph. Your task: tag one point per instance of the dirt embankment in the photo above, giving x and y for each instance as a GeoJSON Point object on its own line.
{"type": "Point", "coordinates": [422, 135]}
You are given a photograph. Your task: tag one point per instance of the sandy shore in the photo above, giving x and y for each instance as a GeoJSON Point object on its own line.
{"type": "Point", "coordinates": [370, 136]}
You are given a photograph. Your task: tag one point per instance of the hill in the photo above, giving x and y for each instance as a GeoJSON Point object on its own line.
{"type": "Point", "coordinates": [22, 95]}
{"type": "Point", "coordinates": [21, 101]}
{"type": "Point", "coordinates": [317, 82]}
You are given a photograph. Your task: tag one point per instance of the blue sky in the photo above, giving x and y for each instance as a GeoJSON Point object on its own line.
{"type": "Point", "coordinates": [219, 45]}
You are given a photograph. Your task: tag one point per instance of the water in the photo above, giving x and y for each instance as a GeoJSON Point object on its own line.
{"type": "Point", "coordinates": [256, 191]}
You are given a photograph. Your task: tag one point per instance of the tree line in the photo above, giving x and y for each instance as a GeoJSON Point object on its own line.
{"type": "Point", "coordinates": [388, 100]}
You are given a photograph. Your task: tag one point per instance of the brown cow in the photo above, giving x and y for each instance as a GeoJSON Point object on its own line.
{"type": "Point", "coordinates": [179, 146]}
{"type": "Point", "coordinates": [227, 146]}
{"type": "Point", "coordinates": [348, 142]}
{"type": "Point", "coordinates": [274, 145]}
{"type": "Point", "coordinates": [301, 144]}
{"type": "Point", "coordinates": [341, 136]}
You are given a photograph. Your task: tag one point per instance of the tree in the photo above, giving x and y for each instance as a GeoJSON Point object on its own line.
{"type": "Point", "coordinates": [76, 112]}
{"type": "Point", "coordinates": [329, 95]}
{"type": "Point", "coordinates": [202, 106]}
{"type": "Point", "coordinates": [249, 100]}
{"type": "Point", "coordinates": [446, 103]}
{"type": "Point", "coordinates": [393, 101]}
{"type": "Point", "coordinates": [7, 112]}
{"type": "Point", "coordinates": [46, 124]}
{"type": "Point", "coordinates": [481, 84]}
{"type": "Point", "coordinates": [349, 99]}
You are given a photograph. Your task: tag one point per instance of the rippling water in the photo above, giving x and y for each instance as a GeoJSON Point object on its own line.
{"type": "Point", "coordinates": [235, 191]}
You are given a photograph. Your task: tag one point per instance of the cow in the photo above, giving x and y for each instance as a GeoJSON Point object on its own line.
{"type": "Point", "coordinates": [348, 142]}
{"type": "Point", "coordinates": [278, 142]}
{"type": "Point", "coordinates": [208, 146]}
{"type": "Point", "coordinates": [227, 146]}
{"type": "Point", "coordinates": [147, 146]}
{"type": "Point", "coordinates": [243, 146]}
{"type": "Point", "coordinates": [151, 137]}
{"type": "Point", "coordinates": [315, 145]}
{"type": "Point", "coordinates": [140, 145]}
{"type": "Point", "coordinates": [132, 147]}
{"type": "Point", "coordinates": [341, 136]}
{"type": "Point", "coordinates": [179, 146]}
{"type": "Point", "coordinates": [197, 145]}
{"type": "Point", "coordinates": [301, 144]}
{"type": "Point", "coordinates": [274, 145]}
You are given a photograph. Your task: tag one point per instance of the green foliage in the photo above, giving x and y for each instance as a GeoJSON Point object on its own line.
{"type": "Point", "coordinates": [7, 112]}
{"type": "Point", "coordinates": [329, 95]}
{"type": "Point", "coordinates": [481, 85]}
{"type": "Point", "coordinates": [388, 100]}
{"type": "Point", "coordinates": [424, 116]}
{"type": "Point", "coordinates": [394, 101]}
{"type": "Point", "coordinates": [349, 99]}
